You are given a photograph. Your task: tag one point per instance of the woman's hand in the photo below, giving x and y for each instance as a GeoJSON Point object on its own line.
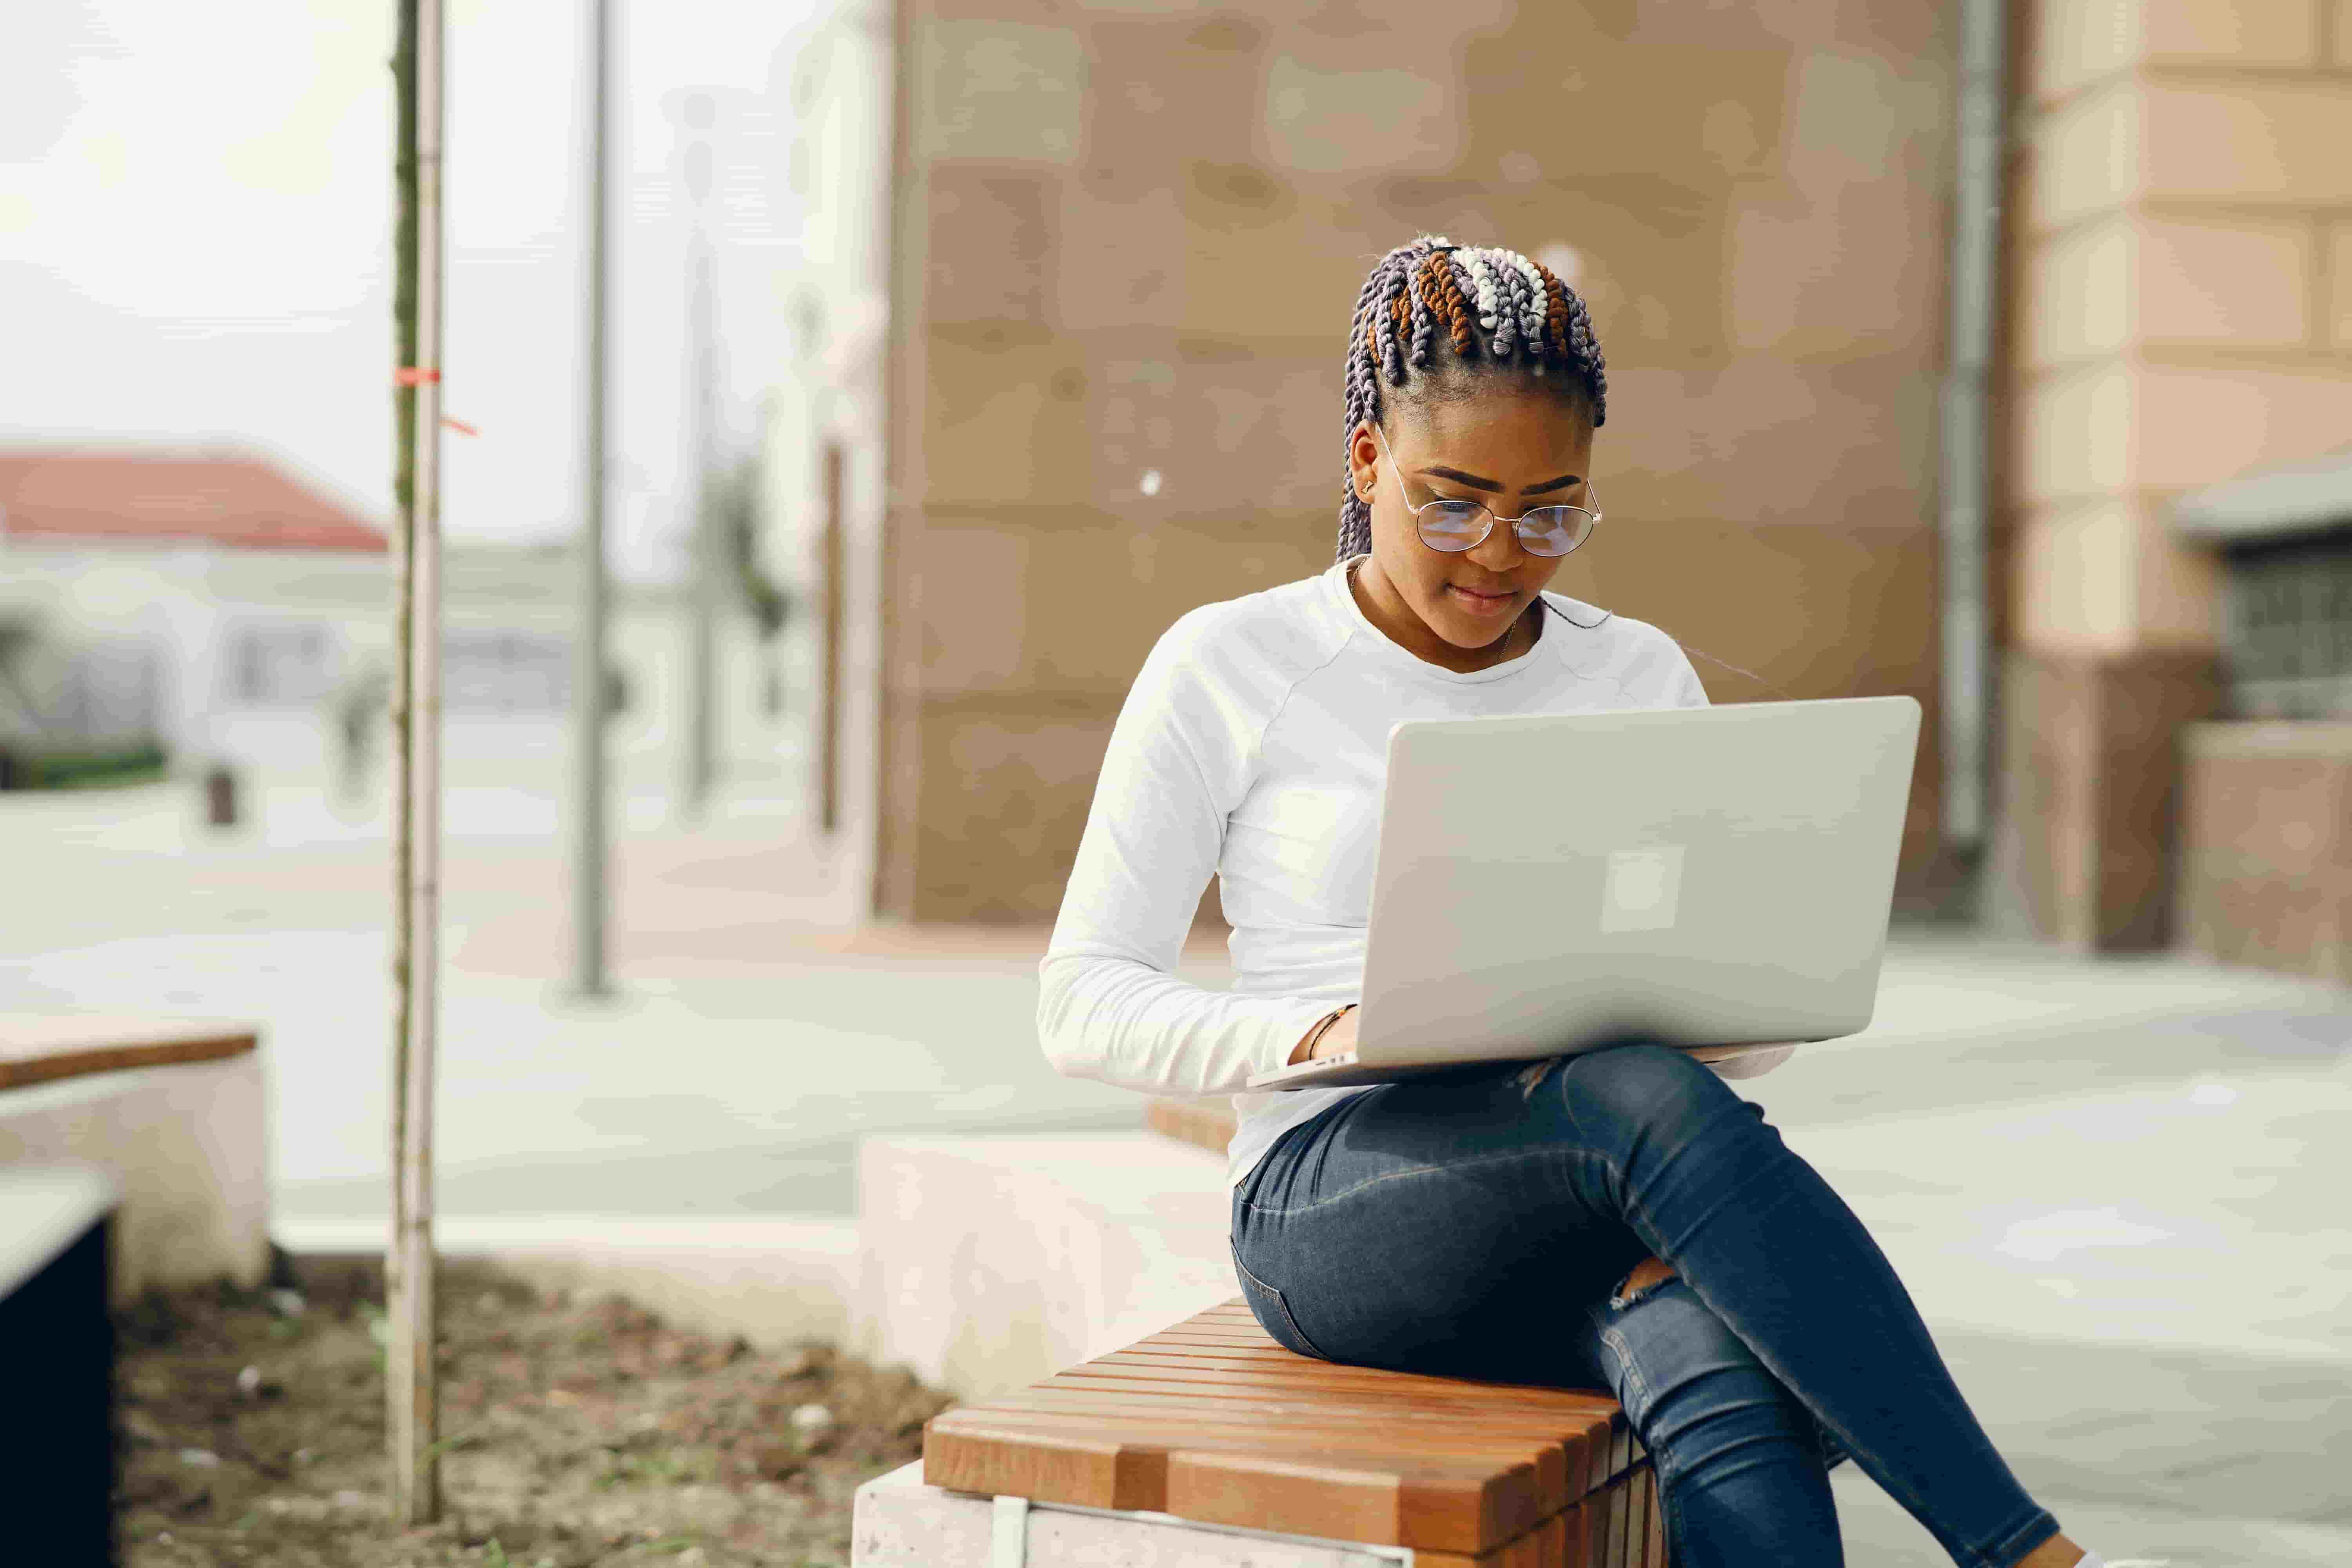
{"type": "Point", "coordinates": [1339, 1036]}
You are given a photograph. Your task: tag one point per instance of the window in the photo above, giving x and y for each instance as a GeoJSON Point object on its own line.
{"type": "Point", "coordinates": [505, 672]}
{"type": "Point", "coordinates": [279, 664]}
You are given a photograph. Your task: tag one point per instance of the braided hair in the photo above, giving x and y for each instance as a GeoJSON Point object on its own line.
{"type": "Point", "coordinates": [1495, 311]}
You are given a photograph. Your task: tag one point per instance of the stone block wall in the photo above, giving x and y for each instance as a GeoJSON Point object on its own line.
{"type": "Point", "coordinates": [2180, 316]}
{"type": "Point", "coordinates": [1126, 242]}
{"type": "Point", "coordinates": [2266, 873]}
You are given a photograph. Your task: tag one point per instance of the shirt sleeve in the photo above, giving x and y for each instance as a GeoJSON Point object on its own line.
{"type": "Point", "coordinates": [1108, 1008]}
{"type": "Point", "coordinates": [1689, 690]}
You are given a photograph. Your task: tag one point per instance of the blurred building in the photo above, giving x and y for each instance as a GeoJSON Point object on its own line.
{"type": "Point", "coordinates": [234, 613]}
{"type": "Point", "coordinates": [181, 598]}
{"type": "Point", "coordinates": [2180, 310]}
{"type": "Point", "coordinates": [1122, 247]}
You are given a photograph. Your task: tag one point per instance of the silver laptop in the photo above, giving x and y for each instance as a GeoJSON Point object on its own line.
{"type": "Point", "coordinates": [1693, 876]}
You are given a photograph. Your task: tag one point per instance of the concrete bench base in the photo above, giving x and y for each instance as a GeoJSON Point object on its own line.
{"type": "Point", "coordinates": [900, 1522]}
{"type": "Point", "coordinates": [993, 1262]}
{"type": "Point", "coordinates": [186, 1145]}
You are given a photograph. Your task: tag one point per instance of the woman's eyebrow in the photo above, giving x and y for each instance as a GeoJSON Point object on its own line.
{"type": "Point", "coordinates": [1477, 483]}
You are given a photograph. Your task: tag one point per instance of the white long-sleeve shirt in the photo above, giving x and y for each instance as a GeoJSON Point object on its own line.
{"type": "Point", "coordinates": [1253, 747]}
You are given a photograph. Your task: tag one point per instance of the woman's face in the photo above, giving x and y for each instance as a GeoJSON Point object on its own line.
{"type": "Point", "coordinates": [1511, 451]}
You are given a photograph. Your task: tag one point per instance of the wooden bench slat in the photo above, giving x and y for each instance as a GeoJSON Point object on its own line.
{"type": "Point", "coordinates": [1588, 1426]}
{"type": "Point", "coordinates": [45, 1047]}
{"type": "Point", "coordinates": [1307, 1375]}
{"type": "Point", "coordinates": [1388, 1494]}
{"type": "Point", "coordinates": [1555, 1456]}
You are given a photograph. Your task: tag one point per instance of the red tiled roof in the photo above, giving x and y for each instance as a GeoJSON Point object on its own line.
{"type": "Point", "coordinates": [217, 496]}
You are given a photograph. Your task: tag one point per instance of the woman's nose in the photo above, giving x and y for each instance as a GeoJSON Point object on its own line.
{"type": "Point", "coordinates": [1500, 550]}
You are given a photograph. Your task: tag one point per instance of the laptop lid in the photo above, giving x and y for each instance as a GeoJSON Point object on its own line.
{"type": "Point", "coordinates": [1697, 874]}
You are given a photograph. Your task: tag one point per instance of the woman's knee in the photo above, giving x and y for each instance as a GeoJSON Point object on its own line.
{"type": "Point", "coordinates": [1644, 1085]}
{"type": "Point", "coordinates": [1693, 1391]}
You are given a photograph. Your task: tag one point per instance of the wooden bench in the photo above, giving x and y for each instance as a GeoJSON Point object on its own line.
{"type": "Point", "coordinates": [1203, 1123]}
{"type": "Point", "coordinates": [1211, 1421]}
{"type": "Point", "coordinates": [174, 1112]}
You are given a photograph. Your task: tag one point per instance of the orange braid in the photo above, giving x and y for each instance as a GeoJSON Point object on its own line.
{"type": "Point", "coordinates": [1445, 303]}
{"type": "Point", "coordinates": [1555, 311]}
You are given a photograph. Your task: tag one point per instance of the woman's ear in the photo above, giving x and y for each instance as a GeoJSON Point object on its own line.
{"type": "Point", "coordinates": [1363, 461]}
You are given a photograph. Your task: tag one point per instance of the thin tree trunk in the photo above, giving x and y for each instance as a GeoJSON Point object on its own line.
{"type": "Point", "coordinates": [411, 1384]}
{"type": "Point", "coordinates": [403, 614]}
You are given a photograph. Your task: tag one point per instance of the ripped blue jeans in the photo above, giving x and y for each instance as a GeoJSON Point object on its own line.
{"type": "Point", "coordinates": [1480, 1223]}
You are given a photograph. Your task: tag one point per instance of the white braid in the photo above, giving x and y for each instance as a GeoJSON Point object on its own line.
{"type": "Point", "coordinates": [1482, 282]}
{"type": "Point", "coordinates": [1531, 321]}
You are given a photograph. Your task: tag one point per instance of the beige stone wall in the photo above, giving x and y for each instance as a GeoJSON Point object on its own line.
{"type": "Point", "coordinates": [1128, 239]}
{"type": "Point", "coordinates": [2185, 299]}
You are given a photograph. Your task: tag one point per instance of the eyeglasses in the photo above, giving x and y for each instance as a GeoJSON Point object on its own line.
{"type": "Point", "coordinates": [1454, 526]}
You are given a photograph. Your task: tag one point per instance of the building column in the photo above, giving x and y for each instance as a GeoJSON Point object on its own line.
{"type": "Point", "coordinates": [2185, 195]}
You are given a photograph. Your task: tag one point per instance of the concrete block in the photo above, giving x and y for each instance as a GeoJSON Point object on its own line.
{"type": "Point", "coordinates": [2196, 424]}
{"type": "Point", "coordinates": [2073, 576]}
{"type": "Point", "coordinates": [2244, 282]}
{"type": "Point", "coordinates": [999, 426]}
{"type": "Point", "coordinates": [2087, 156]}
{"type": "Point", "coordinates": [992, 243]}
{"type": "Point", "coordinates": [2078, 435]}
{"type": "Point", "coordinates": [2155, 425]}
{"type": "Point", "coordinates": [2079, 42]}
{"type": "Point", "coordinates": [993, 1262]}
{"type": "Point", "coordinates": [774, 1280]}
{"type": "Point", "coordinates": [187, 1148]}
{"type": "Point", "coordinates": [2080, 287]}
{"type": "Point", "coordinates": [2249, 140]}
{"type": "Point", "coordinates": [2133, 280]}
{"type": "Point", "coordinates": [896, 1521]}
{"type": "Point", "coordinates": [1011, 91]}
{"type": "Point", "coordinates": [1365, 121]}
{"type": "Point", "coordinates": [1127, 258]}
{"type": "Point", "coordinates": [2266, 859]}
{"type": "Point", "coordinates": [2229, 32]}
{"type": "Point", "coordinates": [972, 621]}
{"type": "Point", "coordinates": [2339, 276]}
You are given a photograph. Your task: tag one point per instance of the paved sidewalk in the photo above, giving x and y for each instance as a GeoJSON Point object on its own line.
{"type": "Point", "coordinates": [2115, 1187]}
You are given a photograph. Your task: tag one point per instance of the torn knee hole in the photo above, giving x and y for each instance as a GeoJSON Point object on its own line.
{"type": "Point", "coordinates": [1647, 1277]}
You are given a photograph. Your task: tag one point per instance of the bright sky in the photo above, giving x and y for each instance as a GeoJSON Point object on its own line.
{"type": "Point", "coordinates": [196, 219]}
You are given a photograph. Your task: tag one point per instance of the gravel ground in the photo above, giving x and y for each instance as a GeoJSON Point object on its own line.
{"type": "Point", "coordinates": [251, 1430]}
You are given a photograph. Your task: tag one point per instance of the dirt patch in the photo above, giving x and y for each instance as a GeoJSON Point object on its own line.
{"type": "Point", "coordinates": [577, 1431]}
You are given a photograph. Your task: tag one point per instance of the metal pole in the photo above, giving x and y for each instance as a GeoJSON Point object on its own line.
{"type": "Point", "coordinates": [702, 568]}
{"type": "Point", "coordinates": [1967, 419]}
{"type": "Point", "coordinates": [412, 1390]}
{"type": "Point", "coordinates": [591, 845]}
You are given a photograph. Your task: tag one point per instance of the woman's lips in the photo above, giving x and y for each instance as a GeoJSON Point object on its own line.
{"type": "Point", "coordinates": [1479, 603]}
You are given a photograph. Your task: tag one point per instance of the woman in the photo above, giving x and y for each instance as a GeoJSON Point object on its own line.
{"type": "Point", "coordinates": [1616, 1218]}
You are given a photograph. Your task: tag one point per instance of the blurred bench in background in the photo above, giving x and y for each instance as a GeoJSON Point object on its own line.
{"type": "Point", "coordinates": [1203, 1123]}
{"type": "Point", "coordinates": [173, 1113]}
